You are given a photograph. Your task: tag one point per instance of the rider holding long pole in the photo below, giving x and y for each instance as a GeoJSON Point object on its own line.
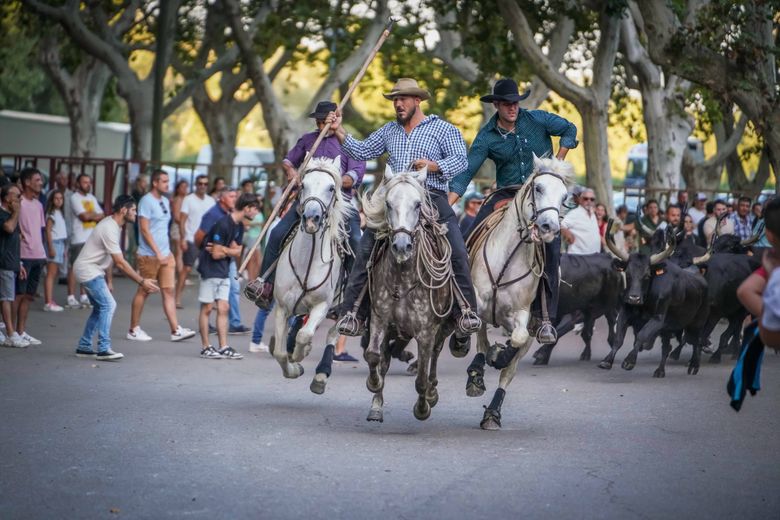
{"type": "Point", "coordinates": [415, 141]}
{"type": "Point", "coordinates": [510, 139]}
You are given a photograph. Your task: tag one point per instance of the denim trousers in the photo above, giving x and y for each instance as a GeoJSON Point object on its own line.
{"type": "Point", "coordinates": [103, 307]}
{"type": "Point", "coordinates": [234, 316]}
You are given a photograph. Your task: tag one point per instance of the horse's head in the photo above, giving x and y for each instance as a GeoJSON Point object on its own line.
{"type": "Point", "coordinates": [321, 182]}
{"type": "Point", "coordinates": [404, 198]}
{"type": "Point", "coordinates": [548, 188]}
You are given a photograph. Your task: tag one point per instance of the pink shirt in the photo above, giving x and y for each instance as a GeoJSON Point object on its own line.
{"type": "Point", "coordinates": [31, 222]}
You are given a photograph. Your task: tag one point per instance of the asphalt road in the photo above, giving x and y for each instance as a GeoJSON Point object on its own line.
{"type": "Point", "coordinates": [165, 434]}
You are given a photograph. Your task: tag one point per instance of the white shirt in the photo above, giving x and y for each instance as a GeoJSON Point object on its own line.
{"type": "Point", "coordinates": [195, 208]}
{"type": "Point", "coordinates": [771, 317]}
{"type": "Point", "coordinates": [696, 215]}
{"type": "Point", "coordinates": [59, 231]}
{"type": "Point", "coordinates": [81, 204]}
{"type": "Point", "coordinates": [95, 256]}
{"type": "Point", "coordinates": [585, 229]}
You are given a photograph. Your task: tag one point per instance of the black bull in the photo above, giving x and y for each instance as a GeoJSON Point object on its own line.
{"type": "Point", "coordinates": [590, 288]}
{"type": "Point", "coordinates": [660, 298]}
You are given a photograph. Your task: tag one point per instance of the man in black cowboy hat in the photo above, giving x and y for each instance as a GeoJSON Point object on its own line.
{"type": "Point", "coordinates": [510, 139]}
{"type": "Point", "coordinates": [352, 174]}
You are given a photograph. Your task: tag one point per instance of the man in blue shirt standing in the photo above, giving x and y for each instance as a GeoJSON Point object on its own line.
{"type": "Point", "coordinates": [413, 141]}
{"type": "Point", "coordinates": [510, 139]}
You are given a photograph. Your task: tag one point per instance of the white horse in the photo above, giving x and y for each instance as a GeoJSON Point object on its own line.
{"type": "Point", "coordinates": [506, 266]}
{"type": "Point", "coordinates": [309, 266]}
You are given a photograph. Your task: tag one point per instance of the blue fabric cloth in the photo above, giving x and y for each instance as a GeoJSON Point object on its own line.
{"type": "Point", "coordinates": [234, 314]}
{"type": "Point", "coordinates": [103, 307]}
{"type": "Point", "coordinates": [224, 232]}
{"type": "Point", "coordinates": [746, 376]}
{"type": "Point", "coordinates": [743, 229]}
{"type": "Point", "coordinates": [259, 326]}
{"type": "Point", "coordinates": [433, 139]}
{"type": "Point", "coordinates": [513, 153]}
{"type": "Point", "coordinates": [211, 217]}
{"type": "Point", "coordinates": [158, 212]}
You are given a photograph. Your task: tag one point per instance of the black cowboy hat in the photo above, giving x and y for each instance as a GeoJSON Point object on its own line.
{"type": "Point", "coordinates": [323, 109]}
{"type": "Point", "coordinates": [505, 90]}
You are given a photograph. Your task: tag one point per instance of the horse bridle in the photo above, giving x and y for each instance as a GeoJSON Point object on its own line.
{"type": "Point", "coordinates": [535, 211]}
{"type": "Point", "coordinates": [325, 208]}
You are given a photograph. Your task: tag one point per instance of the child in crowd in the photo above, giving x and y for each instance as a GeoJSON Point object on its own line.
{"type": "Point", "coordinates": [10, 262]}
{"type": "Point", "coordinates": [56, 236]}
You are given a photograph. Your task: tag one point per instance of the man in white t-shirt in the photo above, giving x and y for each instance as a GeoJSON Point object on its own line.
{"type": "Point", "coordinates": [698, 211]}
{"type": "Point", "coordinates": [101, 248]}
{"type": "Point", "coordinates": [193, 207]}
{"type": "Point", "coordinates": [580, 228]}
{"type": "Point", "coordinates": [86, 213]}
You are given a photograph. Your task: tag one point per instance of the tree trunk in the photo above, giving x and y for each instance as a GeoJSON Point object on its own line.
{"type": "Point", "coordinates": [140, 114]}
{"type": "Point", "coordinates": [594, 130]}
{"type": "Point", "coordinates": [221, 119]}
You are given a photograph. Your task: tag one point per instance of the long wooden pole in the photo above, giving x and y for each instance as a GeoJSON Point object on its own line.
{"type": "Point", "coordinates": [292, 185]}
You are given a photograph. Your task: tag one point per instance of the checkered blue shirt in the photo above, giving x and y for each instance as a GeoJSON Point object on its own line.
{"type": "Point", "coordinates": [433, 139]}
{"type": "Point", "coordinates": [743, 230]}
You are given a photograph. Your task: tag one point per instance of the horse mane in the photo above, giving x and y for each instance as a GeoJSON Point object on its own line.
{"type": "Point", "coordinates": [336, 228]}
{"type": "Point", "coordinates": [374, 203]}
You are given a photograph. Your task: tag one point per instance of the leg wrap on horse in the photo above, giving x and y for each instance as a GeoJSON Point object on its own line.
{"type": "Point", "coordinates": [326, 363]}
{"type": "Point", "coordinates": [499, 356]}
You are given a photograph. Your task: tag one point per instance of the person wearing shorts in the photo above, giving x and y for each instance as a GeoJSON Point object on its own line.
{"type": "Point", "coordinates": [154, 260]}
{"type": "Point", "coordinates": [33, 255]}
{"type": "Point", "coordinates": [193, 207]}
{"type": "Point", "coordinates": [10, 264]}
{"type": "Point", "coordinates": [219, 246]}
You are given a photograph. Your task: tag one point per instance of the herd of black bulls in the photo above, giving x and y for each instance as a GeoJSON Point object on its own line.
{"type": "Point", "coordinates": [681, 291]}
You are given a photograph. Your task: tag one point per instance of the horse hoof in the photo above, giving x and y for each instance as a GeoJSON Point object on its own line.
{"type": "Point", "coordinates": [606, 365]}
{"type": "Point", "coordinates": [491, 420]}
{"type": "Point", "coordinates": [541, 360]}
{"type": "Point", "coordinates": [707, 350]}
{"type": "Point", "coordinates": [375, 415]}
{"type": "Point", "coordinates": [585, 356]}
{"type": "Point", "coordinates": [405, 356]}
{"type": "Point", "coordinates": [318, 384]}
{"type": "Point", "coordinates": [659, 373]}
{"type": "Point", "coordinates": [373, 383]}
{"type": "Point", "coordinates": [475, 385]}
{"type": "Point", "coordinates": [424, 413]}
{"type": "Point", "coordinates": [434, 399]}
{"type": "Point", "coordinates": [459, 347]}
{"type": "Point", "coordinates": [411, 370]}
{"type": "Point", "coordinates": [628, 365]}
{"type": "Point", "coordinates": [295, 372]}
{"type": "Point", "coordinates": [693, 370]}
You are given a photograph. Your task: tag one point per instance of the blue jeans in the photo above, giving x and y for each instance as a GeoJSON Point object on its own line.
{"type": "Point", "coordinates": [234, 317]}
{"type": "Point", "coordinates": [103, 307]}
{"type": "Point", "coordinates": [259, 326]}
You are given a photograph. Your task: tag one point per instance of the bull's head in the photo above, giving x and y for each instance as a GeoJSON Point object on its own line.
{"type": "Point", "coordinates": [637, 267]}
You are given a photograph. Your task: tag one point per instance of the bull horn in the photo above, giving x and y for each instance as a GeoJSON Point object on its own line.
{"type": "Point", "coordinates": [754, 237]}
{"type": "Point", "coordinates": [657, 258]}
{"type": "Point", "coordinates": [645, 231]}
{"type": "Point", "coordinates": [698, 260]}
{"type": "Point", "coordinates": [610, 241]}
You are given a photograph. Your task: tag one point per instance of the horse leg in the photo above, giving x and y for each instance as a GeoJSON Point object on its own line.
{"type": "Point", "coordinates": [373, 354]}
{"type": "Point", "coordinates": [376, 413]}
{"type": "Point", "coordinates": [326, 363]}
{"type": "Point", "coordinates": [432, 395]}
{"type": "Point", "coordinates": [422, 410]}
{"type": "Point", "coordinates": [279, 350]}
{"type": "Point", "coordinates": [305, 335]}
{"type": "Point", "coordinates": [491, 419]}
{"type": "Point", "coordinates": [500, 356]}
{"type": "Point", "coordinates": [475, 383]}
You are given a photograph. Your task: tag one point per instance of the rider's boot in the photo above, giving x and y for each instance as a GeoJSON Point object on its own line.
{"type": "Point", "coordinates": [261, 292]}
{"type": "Point", "coordinates": [468, 322]}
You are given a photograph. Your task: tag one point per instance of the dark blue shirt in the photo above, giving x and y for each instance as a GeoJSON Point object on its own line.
{"type": "Point", "coordinates": [224, 232]}
{"type": "Point", "coordinates": [9, 245]}
{"type": "Point", "coordinates": [211, 217]}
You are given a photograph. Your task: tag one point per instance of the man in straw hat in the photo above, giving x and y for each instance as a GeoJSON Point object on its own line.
{"type": "Point", "coordinates": [510, 139]}
{"type": "Point", "coordinates": [352, 174]}
{"type": "Point", "coordinates": [413, 141]}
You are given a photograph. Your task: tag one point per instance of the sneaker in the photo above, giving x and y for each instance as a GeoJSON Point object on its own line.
{"type": "Point", "coordinates": [182, 333]}
{"type": "Point", "coordinates": [345, 357]}
{"type": "Point", "coordinates": [229, 353]}
{"type": "Point", "coordinates": [73, 303]}
{"type": "Point", "coordinates": [137, 334]}
{"type": "Point", "coordinates": [210, 353]}
{"type": "Point", "coordinates": [15, 341]}
{"type": "Point", "coordinates": [52, 307]}
{"type": "Point", "coordinates": [29, 339]}
{"type": "Point", "coordinates": [258, 347]}
{"type": "Point", "coordinates": [239, 330]}
{"type": "Point", "coordinates": [85, 353]}
{"type": "Point", "coordinates": [85, 302]}
{"type": "Point", "coordinates": [109, 355]}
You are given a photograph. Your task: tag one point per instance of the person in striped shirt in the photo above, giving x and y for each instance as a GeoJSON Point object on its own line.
{"type": "Point", "coordinates": [413, 141]}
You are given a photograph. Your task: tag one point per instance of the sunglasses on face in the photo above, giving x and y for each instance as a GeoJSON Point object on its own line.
{"type": "Point", "coordinates": [587, 198]}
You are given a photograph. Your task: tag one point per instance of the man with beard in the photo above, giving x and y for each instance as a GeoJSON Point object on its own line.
{"type": "Point", "coordinates": [415, 141]}
{"type": "Point", "coordinates": [510, 139]}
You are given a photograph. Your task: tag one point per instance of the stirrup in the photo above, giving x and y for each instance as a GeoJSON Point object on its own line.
{"type": "Point", "coordinates": [468, 322]}
{"type": "Point", "coordinates": [350, 325]}
{"type": "Point", "coordinates": [546, 335]}
{"type": "Point", "coordinates": [261, 292]}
